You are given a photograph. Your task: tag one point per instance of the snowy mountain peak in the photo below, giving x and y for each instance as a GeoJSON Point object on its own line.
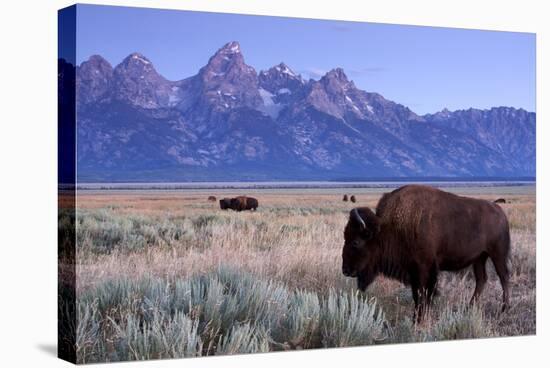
{"type": "Point", "coordinates": [336, 81]}
{"type": "Point", "coordinates": [136, 66]}
{"type": "Point", "coordinates": [337, 73]}
{"type": "Point", "coordinates": [230, 49]}
{"type": "Point", "coordinates": [136, 58]}
{"type": "Point", "coordinates": [136, 82]}
{"type": "Point", "coordinates": [97, 60]}
{"type": "Point", "coordinates": [226, 58]}
{"type": "Point", "coordinates": [227, 82]}
{"type": "Point", "coordinates": [280, 70]}
{"type": "Point", "coordinates": [443, 114]}
{"type": "Point", "coordinates": [93, 79]}
{"type": "Point", "coordinates": [280, 79]}
{"type": "Point", "coordinates": [283, 68]}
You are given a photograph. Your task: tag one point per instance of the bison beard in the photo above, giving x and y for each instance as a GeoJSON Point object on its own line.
{"type": "Point", "coordinates": [418, 231]}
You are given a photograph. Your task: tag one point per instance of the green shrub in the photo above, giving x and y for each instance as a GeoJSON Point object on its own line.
{"type": "Point", "coordinates": [453, 322]}
{"type": "Point", "coordinates": [203, 221]}
{"type": "Point", "coordinates": [461, 322]}
{"type": "Point", "coordinates": [243, 339]}
{"type": "Point", "coordinates": [87, 329]}
{"type": "Point", "coordinates": [102, 231]}
{"type": "Point", "coordinates": [163, 336]}
{"type": "Point", "coordinates": [348, 320]}
{"type": "Point", "coordinates": [224, 312]}
{"type": "Point", "coordinates": [299, 328]}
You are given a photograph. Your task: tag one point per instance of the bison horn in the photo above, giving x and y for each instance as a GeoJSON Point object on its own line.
{"type": "Point", "coordinates": [357, 218]}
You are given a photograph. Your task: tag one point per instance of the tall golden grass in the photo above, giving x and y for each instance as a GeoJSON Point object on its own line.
{"type": "Point", "coordinates": [295, 241]}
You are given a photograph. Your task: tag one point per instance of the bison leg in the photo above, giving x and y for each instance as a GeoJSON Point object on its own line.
{"type": "Point", "coordinates": [432, 284]}
{"type": "Point", "coordinates": [423, 285]}
{"type": "Point", "coordinates": [499, 255]}
{"type": "Point", "coordinates": [481, 277]}
{"type": "Point", "coordinates": [419, 297]}
{"type": "Point", "coordinates": [419, 293]}
{"type": "Point", "coordinates": [503, 274]}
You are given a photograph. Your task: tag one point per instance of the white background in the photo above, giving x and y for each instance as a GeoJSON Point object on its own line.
{"type": "Point", "coordinates": [28, 195]}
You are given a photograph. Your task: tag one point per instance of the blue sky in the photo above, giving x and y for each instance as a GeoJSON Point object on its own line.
{"type": "Point", "coordinates": [424, 68]}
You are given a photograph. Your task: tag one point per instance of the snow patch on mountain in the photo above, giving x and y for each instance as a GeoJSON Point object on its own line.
{"type": "Point", "coordinates": [139, 58]}
{"type": "Point", "coordinates": [269, 107]}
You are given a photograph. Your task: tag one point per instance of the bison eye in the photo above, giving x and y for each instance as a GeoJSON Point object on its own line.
{"type": "Point", "coordinates": [367, 234]}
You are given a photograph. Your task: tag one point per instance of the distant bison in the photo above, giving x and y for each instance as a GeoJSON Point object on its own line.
{"type": "Point", "coordinates": [418, 231]}
{"type": "Point", "coordinates": [500, 200]}
{"type": "Point", "coordinates": [352, 198]}
{"type": "Point", "coordinates": [211, 199]}
{"type": "Point", "coordinates": [225, 203]}
{"type": "Point", "coordinates": [345, 199]}
{"type": "Point", "coordinates": [243, 203]}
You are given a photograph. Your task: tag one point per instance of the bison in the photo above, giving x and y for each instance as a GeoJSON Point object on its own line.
{"type": "Point", "coordinates": [500, 200]}
{"type": "Point", "coordinates": [211, 199]}
{"type": "Point", "coordinates": [345, 199]}
{"type": "Point", "coordinates": [243, 203]}
{"type": "Point", "coordinates": [353, 199]}
{"type": "Point", "coordinates": [417, 232]}
{"type": "Point", "coordinates": [225, 203]}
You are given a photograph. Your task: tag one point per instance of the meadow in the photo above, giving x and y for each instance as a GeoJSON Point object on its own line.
{"type": "Point", "coordinates": [168, 274]}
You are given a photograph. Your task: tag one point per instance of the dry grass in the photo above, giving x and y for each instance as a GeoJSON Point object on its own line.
{"type": "Point", "coordinates": [295, 241]}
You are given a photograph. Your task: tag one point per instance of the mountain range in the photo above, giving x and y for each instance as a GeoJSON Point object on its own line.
{"type": "Point", "coordinates": [229, 122]}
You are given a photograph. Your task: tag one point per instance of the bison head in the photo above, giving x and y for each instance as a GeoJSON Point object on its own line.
{"type": "Point", "coordinates": [360, 238]}
{"type": "Point", "coordinates": [225, 203]}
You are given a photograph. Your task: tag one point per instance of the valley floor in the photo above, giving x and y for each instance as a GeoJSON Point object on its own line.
{"type": "Point", "coordinates": [168, 274]}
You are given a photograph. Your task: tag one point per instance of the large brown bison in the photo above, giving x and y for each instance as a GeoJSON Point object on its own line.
{"type": "Point", "coordinates": [418, 231]}
{"type": "Point", "coordinates": [225, 203]}
{"type": "Point", "coordinates": [243, 203]}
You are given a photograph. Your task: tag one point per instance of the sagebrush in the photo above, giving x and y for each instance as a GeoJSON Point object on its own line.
{"type": "Point", "coordinates": [170, 275]}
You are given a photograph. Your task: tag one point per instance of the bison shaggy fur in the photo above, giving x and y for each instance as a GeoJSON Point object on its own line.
{"type": "Point", "coordinates": [243, 203]}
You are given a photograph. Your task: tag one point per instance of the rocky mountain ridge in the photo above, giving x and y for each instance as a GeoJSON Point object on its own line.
{"type": "Point", "coordinates": [229, 122]}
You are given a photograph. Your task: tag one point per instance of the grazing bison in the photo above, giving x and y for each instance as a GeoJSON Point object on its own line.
{"type": "Point", "coordinates": [211, 199]}
{"type": "Point", "coordinates": [352, 198]}
{"type": "Point", "coordinates": [251, 203]}
{"type": "Point", "coordinates": [243, 203]}
{"type": "Point", "coordinates": [500, 200]}
{"type": "Point", "coordinates": [345, 199]}
{"type": "Point", "coordinates": [225, 203]}
{"type": "Point", "coordinates": [418, 231]}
